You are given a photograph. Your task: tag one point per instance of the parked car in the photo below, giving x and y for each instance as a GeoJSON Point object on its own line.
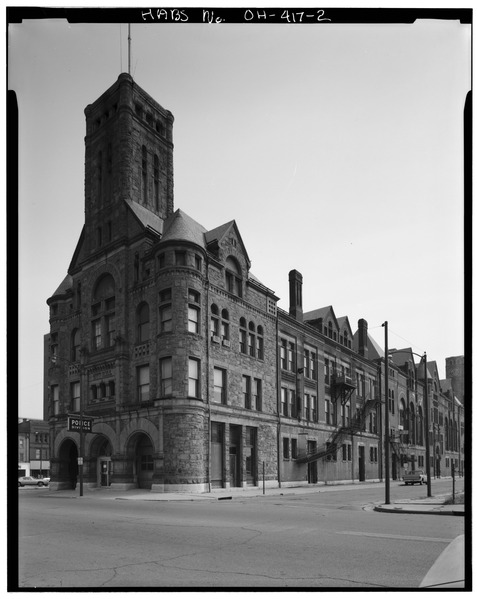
{"type": "Point", "coordinates": [414, 476]}
{"type": "Point", "coordinates": [30, 480]}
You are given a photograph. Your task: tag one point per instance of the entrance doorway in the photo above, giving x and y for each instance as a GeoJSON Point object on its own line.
{"type": "Point", "coordinates": [144, 462]}
{"type": "Point", "coordinates": [68, 467]}
{"type": "Point", "coordinates": [312, 466]}
{"type": "Point", "coordinates": [105, 470]}
{"type": "Point", "coordinates": [361, 463]}
{"type": "Point", "coordinates": [234, 455]}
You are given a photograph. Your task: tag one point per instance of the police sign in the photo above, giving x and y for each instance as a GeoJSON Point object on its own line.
{"type": "Point", "coordinates": [80, 424]}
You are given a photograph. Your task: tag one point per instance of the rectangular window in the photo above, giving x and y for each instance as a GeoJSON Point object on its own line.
{"type": "Point", "coordinates": [165, 366]}
{"type": "Point", "coordinates": [143, 383]}
{"type": "Point", "coordinates": [75, 396]}
{"type": "Point", "coordinates": [257, 394]}
{"type": "Point", "coordinates": [180, 258]}
{"type": "Point", "coordinates": [260, 348]}
{"type": "Point", "coordinates": [219, 385]}
{"type": "Point", "coordinates": [292, 395]}
{"type": "Point", "coordinates": [286, 448]}
{"type": "Point", "coordinates": [327, 371]}
{"type": "Point", "coordinates": [291, 357]}
{"type": "Point", "coordinates": [314, 408]}
{"type": "Point", "coordinates": [283, 354]}
{"type": "Point", "coordinates": [313, 366]}
{"type": "Point", "coordinates": [251, 344]}
{"type": "Point", "coordinates": [327, 411]}
{"type": "Point", "coordinates": [193, 319]}
{"type": "Point", "coordinates": [55, 399]}
{"type": "Point", "coordinates": [306, 406]}
{"type": "Point", "coordinates": [165, 295]}
{"type": "Point", "coordinates": [246, 391]}
{"type": "Point", "coordinates": [243, 341]}
{"type": "Point", "coordinates": [194, 372]}
{"type": "Point", "coordinates": [306, 363]}
{"type": "Point", "coordinates": [284, 401]}
{"type": "Point", "coordinates": [165, 317]}
{"type": "Point", "coordinates": [294, 449]}
{"type": "Point", "coordinates": [96, 334]}
{"type": "Point", "coordinates": [110, 327]}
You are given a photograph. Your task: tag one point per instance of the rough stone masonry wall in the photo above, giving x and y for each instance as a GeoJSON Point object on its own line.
{"type": "Point", "coordinates": [185, 443]}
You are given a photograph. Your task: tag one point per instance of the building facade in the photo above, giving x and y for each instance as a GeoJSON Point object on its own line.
{"type": "Point", "coordinates": [194, 379]}
{"type": "Point", "coordinates": [33, 448]}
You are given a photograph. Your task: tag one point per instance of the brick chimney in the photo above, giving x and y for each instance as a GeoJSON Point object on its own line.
{"type": "Point", "coordinates": [363, 337]}
{"type": "Point", "coordinates": [295, 280]}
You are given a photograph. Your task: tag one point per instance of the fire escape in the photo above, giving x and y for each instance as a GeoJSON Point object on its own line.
{"type": "Point", "coordinates": [342, 389]}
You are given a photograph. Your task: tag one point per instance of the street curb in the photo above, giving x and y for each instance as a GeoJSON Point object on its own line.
{"type": "Point", "coordinates": [400, 510]}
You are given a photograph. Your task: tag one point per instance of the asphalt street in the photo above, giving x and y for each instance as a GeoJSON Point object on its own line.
{"type": "Point", "coordinates": [327, 539]}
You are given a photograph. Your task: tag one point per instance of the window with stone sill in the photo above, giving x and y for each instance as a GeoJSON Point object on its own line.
{"type": "Point", "coordinates": [220, 386]}
{"type": "Point", "coordinates": [194, 312]}
{"type": "Point", "coordinates": [194, 378]}
{"type": "Point", "coordinates": [142, 323]}
{"type": "Point", "coordinates": [165, 373]}
{"type": "Point", "coordinates": [142, 377]}
{"type": "Point", "coordinates": [246, 392]}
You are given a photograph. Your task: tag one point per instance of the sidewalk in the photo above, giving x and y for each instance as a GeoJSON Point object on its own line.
{"type": "Point", "coordinates": [432, 505]}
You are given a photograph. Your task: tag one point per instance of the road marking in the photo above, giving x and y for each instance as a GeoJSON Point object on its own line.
{"type": "Point", "coordinates": [398, 537]}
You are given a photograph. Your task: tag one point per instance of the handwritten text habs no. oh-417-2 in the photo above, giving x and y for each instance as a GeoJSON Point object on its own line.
{"type": "Point", "coordinates": [178, 15]}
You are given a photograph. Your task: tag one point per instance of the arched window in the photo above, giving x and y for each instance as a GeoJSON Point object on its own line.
{"type": "Point", "coordinates": [142, 323]}
{"type": "Point", "coordinates": [251, 339]}
{"type": "Point", "coordinates": [103, 313]}
{"type": "Point", "coordinates": [233, 277]}
{"type": "Point", "coordinates": [75, 345]}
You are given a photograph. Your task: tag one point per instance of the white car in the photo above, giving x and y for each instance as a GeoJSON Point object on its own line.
{"type": "Point", "coordinates": [31, 481]}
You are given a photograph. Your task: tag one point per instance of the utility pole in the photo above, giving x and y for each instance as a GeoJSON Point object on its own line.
{"type": "Point", "coordinates": [386, 417]}
{"type": "Point", "coordinates": [426, 424]}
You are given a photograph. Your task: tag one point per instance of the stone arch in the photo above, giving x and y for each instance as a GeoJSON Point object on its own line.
{"type": "Point", "coordinates": [139, 425]}
{"type": "Point", "coordinates": [107, 431]}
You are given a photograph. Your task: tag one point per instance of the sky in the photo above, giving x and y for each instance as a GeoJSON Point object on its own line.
{"type": "Point", "coordinates": [337, 149]}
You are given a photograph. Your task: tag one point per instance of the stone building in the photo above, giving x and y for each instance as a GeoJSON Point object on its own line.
{"type": "Point", "coordinates": [193, 377]}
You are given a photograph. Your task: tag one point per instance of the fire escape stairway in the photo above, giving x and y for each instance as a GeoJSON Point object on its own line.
{"type": "Point", "coordinates": [336, 440]}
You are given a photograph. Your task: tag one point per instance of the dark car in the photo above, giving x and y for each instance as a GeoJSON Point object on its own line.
{"type": "Point", "coordinates": [30, 480]}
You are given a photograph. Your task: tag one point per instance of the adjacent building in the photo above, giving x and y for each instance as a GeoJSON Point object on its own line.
{"type": "Point", "coordinates": [194, 379]}
{"type": "Point", "coordinates": [33, 448]}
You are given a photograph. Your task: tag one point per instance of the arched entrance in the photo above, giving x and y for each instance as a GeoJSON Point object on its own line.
{"type": "Point", "coordinates": [141, 450]}
{"type": "Point", "coordinates": [101, 449]}
{"type": "Point", "coordinates": [68, 468]}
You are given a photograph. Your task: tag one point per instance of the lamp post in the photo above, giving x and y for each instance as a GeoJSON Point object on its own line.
{"type": "Point", "coordinates": [386, 416]}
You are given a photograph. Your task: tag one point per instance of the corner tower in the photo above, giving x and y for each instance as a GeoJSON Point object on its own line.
{"type": "Point", "coordinates": [128, 156]}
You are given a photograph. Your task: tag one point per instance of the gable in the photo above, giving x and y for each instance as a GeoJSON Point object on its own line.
{"type": "Point", "coordinates": [227, 244]}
